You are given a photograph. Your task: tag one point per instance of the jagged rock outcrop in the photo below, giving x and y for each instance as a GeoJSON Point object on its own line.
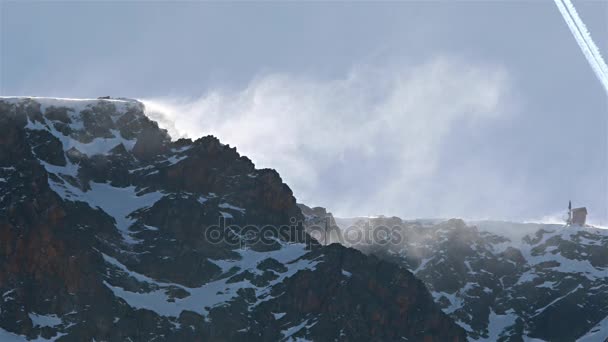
{"type": "Point", "coordinates": [107, 233]}
{"type": "Point", "coordinates": [321, 225]}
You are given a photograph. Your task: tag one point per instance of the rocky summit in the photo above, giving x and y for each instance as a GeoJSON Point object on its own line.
{"type": "Point", "coordinates": [112, 231]}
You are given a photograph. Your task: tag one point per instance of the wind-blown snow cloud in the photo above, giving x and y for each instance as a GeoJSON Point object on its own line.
{"type": "Point", "coordinates": [370, 142]}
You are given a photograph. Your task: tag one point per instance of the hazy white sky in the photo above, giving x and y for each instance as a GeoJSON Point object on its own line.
{"type": "Point", "coordinates": [418, 109]}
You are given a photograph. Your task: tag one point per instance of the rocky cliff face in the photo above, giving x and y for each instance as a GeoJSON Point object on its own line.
{"type": "Point", "coordinates": [506, 281]}
{"type": "Point", "coordinates": [321, 225]}
{"type": "Point", "coordinates": [108, 232]}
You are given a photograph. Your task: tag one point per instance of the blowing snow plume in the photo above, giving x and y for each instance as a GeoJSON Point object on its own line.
{"type": "Point", "coordinates": [584, 40]}
{"type": "Point", "coordinates": [327, 136]}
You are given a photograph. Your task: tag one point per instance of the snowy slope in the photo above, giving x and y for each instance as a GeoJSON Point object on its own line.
{"type": "Point", "coordinates": [505, 280]}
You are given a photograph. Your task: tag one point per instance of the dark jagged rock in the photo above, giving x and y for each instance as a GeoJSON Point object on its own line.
{"type": "Point", "coordinates": [321, 225]}
{"type": "Point", "coordinates": [105, 234]}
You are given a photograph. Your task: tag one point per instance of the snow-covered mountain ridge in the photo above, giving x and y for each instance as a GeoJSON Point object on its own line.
{"type": "Point", "coordinates": [103, 222]}
{"type": "Point", "coordinates": [505, 281]}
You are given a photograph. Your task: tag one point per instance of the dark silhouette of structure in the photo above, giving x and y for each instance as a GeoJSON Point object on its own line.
{"type": "Point", "coordinates": [576, 216]}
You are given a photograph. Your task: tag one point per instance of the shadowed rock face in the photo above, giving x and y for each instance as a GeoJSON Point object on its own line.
{"type": "Point", "coordinates": [103, 223]}
{"type": "Point", "coordinates": [321, 225]}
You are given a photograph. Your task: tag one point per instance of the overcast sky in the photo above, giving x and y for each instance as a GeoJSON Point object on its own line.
{"type": "Point", "coordinates": [476, 109]}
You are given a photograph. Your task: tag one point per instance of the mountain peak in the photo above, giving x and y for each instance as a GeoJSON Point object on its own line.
{"type": "Point", "coordinates": [106, 233]}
